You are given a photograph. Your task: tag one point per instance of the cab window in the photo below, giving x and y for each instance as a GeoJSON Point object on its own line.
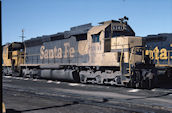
{"type": "Point", "coordinates": [96, 38]}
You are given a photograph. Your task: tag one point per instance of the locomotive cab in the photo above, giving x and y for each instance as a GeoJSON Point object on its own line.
{"type": "Point", "coordinates": [107, 40]}
{"type": "Point", "coordinates": [116, 29]}
{"type": "Point", "coordinates": [119, 54]}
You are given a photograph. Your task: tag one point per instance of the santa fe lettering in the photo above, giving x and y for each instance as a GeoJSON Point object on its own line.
{"type": "Point", "coordinates": [57, 52]}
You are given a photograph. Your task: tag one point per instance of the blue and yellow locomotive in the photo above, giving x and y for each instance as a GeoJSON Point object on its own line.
{"type": "Point", "coordinates": [109, 53]}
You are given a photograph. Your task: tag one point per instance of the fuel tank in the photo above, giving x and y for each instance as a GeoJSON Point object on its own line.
{"type": "Point", "coordinates": [61, 74]}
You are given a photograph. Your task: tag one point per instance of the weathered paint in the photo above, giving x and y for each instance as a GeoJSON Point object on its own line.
{"type": "Point", "coordinates": [59, 51]}
{"type": "Point", "coordinates": [16, 55]}
{"type": "Point", "coordinates": [70, 51]}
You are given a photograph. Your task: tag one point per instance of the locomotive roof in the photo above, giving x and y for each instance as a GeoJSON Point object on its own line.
{"type": "Point", "coordinates": [14, 45]}
{"type": "Point", "coordinates": [97, 29]}
{"type": "Point", "coordinates": [77, 30]}
{"type": "Point", "coordinates": [160, 34]}
{"type": "Point", "coordinates": [158, 37]}
{"type": "Point", "coordinates": [109, 21]}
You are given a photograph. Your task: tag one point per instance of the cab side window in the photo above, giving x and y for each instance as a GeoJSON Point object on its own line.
{"type": "Point", "coordinates": [95, 38]}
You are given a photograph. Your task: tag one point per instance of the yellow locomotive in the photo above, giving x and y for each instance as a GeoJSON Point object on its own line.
{"type": "Point", "coordinates": [13, 56]}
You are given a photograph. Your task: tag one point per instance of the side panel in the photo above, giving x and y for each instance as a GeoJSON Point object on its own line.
{"type": "Point", "coordinates": [160, 49]}
{"type": "Point", "coordinates": [59, 51]}
{"type": "Point", "coordinates": [33, 55]}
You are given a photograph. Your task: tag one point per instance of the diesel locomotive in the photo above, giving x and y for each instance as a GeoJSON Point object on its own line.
{"type": "Point", "coordinates": [159, 50]}
{"type": "Point", "coordinates": [108, 53]}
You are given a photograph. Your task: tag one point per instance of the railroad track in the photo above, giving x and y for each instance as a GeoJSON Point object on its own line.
{"type": "Point", "coordinates": [124, 99]}
{"type": "Point", "coordinates": [107, 103]}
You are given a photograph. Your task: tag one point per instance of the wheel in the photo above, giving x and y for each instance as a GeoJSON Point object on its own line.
{"type": "Point", "coordinates": [130, 84]}
{"type": "Point", "coordinates": [150, 79]}
{"type": "Point", "coordinates": [98, 79]}
{"type": "Point", "coordinates": [83, 79]}
{"type": "Point", "coordinates": [137, 85]}
{"type": "Point", "coordinates": [143, 84]}
{"type": "Point", "coordinates": [151, 84]}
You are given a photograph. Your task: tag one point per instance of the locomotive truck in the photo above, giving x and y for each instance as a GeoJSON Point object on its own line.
{"type": "Point", "coordinates": [108, 53]}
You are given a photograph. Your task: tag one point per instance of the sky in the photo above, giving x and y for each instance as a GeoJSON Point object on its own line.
{"type": "Point", "coordinates": [46, 17]}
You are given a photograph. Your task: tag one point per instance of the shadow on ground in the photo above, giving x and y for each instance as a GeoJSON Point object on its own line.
{"type": "Point", "coordinates": [65, 105]}
{"type": "Point", "coordinates": [12, 111]}
{"type": "Point", "coordinates": [22, 111]}
{"type": "Point", "coordinates": [104, 100]}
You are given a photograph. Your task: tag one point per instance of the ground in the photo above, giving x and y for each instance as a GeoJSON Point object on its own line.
{"type": "Point", "coordinates": [22, 95]}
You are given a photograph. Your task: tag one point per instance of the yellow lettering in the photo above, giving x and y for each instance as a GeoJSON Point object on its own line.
{"type": "Point", "coordinates": [59, 55]}
{"type": "Point", "coordinates": [72, 51]}
{"type": "Point", "coordinates": [66, 45]}
{"type": "Point", "coordinates": [55, 52]}
{"type": "Point", "coordinates": [46, 54]}
{"type": "Point", "coordinates": [156, 53]}
{"type": "Point", "coordinates": [170, 51]}
{"type": "Point", "coordinates": [42, 52]}
{"type": "Point", "coordinates": [151, 54]}
{"type": "Point", "coordinates": [51, 53]}
{"type": "Point", "coordinates": [163, 54]}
